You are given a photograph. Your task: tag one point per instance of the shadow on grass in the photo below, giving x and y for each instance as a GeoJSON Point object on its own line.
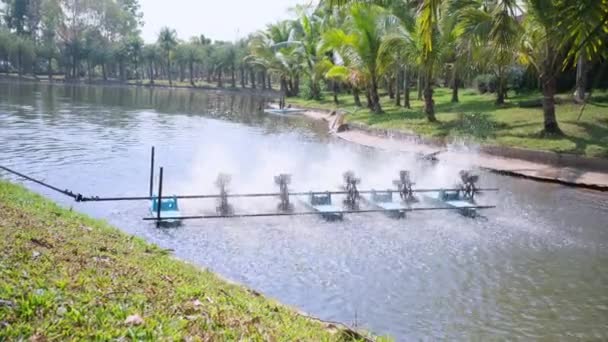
{"type": "Point", "coordinates": [595, 144]}
{"type": "Point", "coordinates": [476, 105]}
{"type": "Point", "coordinates": [480, 126]}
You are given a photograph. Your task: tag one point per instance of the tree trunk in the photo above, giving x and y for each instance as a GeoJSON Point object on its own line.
{"type": "Point", "coordinates": [406, 88]}
{"type": "Point", "coordinates": [500, 92]}
{"type": "Point", "coordinates": [398, 87]}
{"type": "Point", "coordinates": [291, 88]}
{"type": "Point", "coordinates": [104, 71]}
{"type": "Point", "coordinates": [242, 72]}
{"type": "Point", "coordinates": [151, 69]}
{"type": "Point", "coordinates": [550, 121]}
{"type": "Point", "coordinates": [122, 71]}
{"type": "Point", "coordinates": [368, 98]}
{"type": "Point", "coordinates": [356, 96]}
{"type": "Point", "coordinates": [581, 79]}
{"type": "Point", "coordinates": [191, 67]}
{"type": "Point", "coordinates": [429, 103]}
{"type": "Point", "coordinates": [74, 66]}
{"type": "Point", "coordinates": [419, 86]}
{"type": "Point", "coordinates": [263, 79]}
{"type": "Point", "coordinates": [232, 77]}
{"type": "Point", "coordinates": [390, 87]}
{"type": "Point", "coordinates": [169, 72]}
{"type": "Point", "coordinates": [252, 77]}
{"type": "Point", "coordinates": [455, 82]}
{"type": "Point", "coordinates": [89, 72]}
{"type": "Point", "coordinates": [374, 96]}
{"type": "Point", "coordinates": [335, 90]}
{"type": "Point", "coordinates": [220, 82]}
{"type": "Point", "coordinates": [50, 69]}
{"type": "Point", "coordinates": [269, 81]}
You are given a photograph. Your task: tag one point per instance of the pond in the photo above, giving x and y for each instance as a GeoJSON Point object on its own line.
{"type": "Point", "coordinates": [536, 267]}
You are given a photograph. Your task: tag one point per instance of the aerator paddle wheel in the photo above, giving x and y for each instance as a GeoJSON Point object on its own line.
{"type": "Point", "coordinates": [405, 187]}
{"type": "Point", "coordinates": [283, 181]}
{"type": "Point", "coordinates": [468, 186]}
{"type": "Point", "coordinates": [352, 193]}
{"type": "Point", "coordinates": [224, 208]}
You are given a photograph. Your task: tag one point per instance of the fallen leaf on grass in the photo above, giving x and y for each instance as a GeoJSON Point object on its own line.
{"type": "Point", "coordinates": [134, 320]}
{"type": "Point", "coordinates": [37, 338]}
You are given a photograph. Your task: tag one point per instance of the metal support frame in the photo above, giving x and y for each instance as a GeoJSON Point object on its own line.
{"type": "Point", "coordinates": [160, 197]}
{"type": "Point", "coordinates": [152, 172]}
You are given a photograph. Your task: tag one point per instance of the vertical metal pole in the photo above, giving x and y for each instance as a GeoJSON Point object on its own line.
{"type": "Point", "coordinates": [152, 172]}
{"type": "Point", "coordinates": [160, 197]}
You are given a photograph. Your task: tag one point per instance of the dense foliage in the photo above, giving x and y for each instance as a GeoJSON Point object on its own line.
{"type": "Point", "coordinates": [360, 47]}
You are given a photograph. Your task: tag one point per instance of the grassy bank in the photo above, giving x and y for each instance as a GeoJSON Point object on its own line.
{"type": "Point", "coordinates": [476, 117]}
{"type": "Point", "coordinates": [68, 276]}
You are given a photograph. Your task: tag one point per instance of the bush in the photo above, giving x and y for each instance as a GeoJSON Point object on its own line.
{"type": "Point", "coordinates": [516, 79]}
{"type": "Point", "coordinates": [485, 83]}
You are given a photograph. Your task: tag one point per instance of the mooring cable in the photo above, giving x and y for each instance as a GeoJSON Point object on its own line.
{"type": "Point", "coordinates": [77, 197]}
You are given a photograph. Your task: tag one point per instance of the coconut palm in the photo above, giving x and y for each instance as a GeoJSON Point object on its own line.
{"type": "Point", "coordinates": [360, 46]}
{"type": "Point", "coordinates": [399, 44]}
{"type": "Point", "coordinates": [305, 36]}
{"type": "Point", "coordinates": [152, 56]}
{"type": "Point", "coordinates": [274, 50]}
{"type": "Point", "coordinates": [492, 27]}
{"type": "Point", "coordinates": [540, 48]}
{"type": "Point", "coordinates": [167, 41]}
{"type": "Point", "coordinates": [584, 29]}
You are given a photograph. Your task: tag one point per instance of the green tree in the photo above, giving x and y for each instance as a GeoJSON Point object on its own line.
{"type": "Point", "coordinates": [167, 41]}
{"type": "Point", "coordinates": [23, 54]}
{"type": "Point", "coordinates": [493, 28]}
{"type": "Point", "coordinates": [361, 45]}
{"type": "Point", "coordinates": [541, 49]}
{"type": "Point", "coordinates": [152, 56]}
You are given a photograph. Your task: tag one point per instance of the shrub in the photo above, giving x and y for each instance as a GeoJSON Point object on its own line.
{"type": "Point", "coordinates": [485, 83]}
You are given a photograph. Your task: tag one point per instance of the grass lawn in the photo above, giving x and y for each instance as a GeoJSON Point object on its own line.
{"type": "Point", "coordinates": [65, 276]}
{"type": "Point", "coordinates": [478, 119]}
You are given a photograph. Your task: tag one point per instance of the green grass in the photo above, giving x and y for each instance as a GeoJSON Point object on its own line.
{"type": "Point", "coordinates": [477, 118]}
{"type": "Point", "coordinates": [65, 276]}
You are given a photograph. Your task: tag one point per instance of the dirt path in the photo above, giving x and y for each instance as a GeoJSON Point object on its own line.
{"type": "Point", "coordinates": [573, 176]}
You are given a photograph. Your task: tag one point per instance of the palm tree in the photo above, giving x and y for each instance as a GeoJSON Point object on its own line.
{"type": "Point", "coordinates": [274, 50]}
{"type": "Point", "coordinates": [540, 48]}
{"type": "Point", "coordinates": [167, 40]}
{"type": "Point", "coordinates": [492, 27]}
{"type": "Point", "coordinates": [361, 45]}
{"type": "Point", "coordinates": [151, 55]}
{"type": "Point", "coordinates": [399, 43]}
{"type": "Point", "coordinates": [306, 34]}
{"type": "Point", "coordinates": [584, 30]}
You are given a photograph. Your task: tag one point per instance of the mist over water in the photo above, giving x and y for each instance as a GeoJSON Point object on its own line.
{"type": "Point", "coordinates": [535, 268]}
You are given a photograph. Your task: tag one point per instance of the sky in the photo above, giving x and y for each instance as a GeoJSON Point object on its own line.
{"type": "Point", "coordinates": [226, 20]}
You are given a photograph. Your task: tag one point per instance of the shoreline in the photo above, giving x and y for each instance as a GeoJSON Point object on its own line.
{"type": "Point", "coordinates": [94, 281]}
{"type": "Point", "coordinates": [119, 84]}
{"type": "Point", "coordinates": [566, 169]}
